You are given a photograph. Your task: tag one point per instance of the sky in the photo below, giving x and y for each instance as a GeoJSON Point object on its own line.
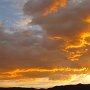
{"type": "Point", "coordinates": [44, 43]}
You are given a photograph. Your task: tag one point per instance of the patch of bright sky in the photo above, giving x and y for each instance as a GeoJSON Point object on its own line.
{"type": "Point", "coordinates": [11, 11]}
{"type": "Point", "coordinates": [12, 15]}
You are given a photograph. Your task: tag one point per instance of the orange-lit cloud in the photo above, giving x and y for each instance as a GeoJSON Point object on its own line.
{"type": "Point", "coordinates": [55, 38]}
{"type": "Point", "coordinates": [54, 7]}
{"type": "Point", "coordinates": [82, 41]}
{"type": "Point", "coordinates": [87, 20]}
{"type": "Point", "coordinates": [19, 72]}
{"type": "Point", "coordinates": [81, 44]}
{"type": "Point", "coordinates": [37, 82]}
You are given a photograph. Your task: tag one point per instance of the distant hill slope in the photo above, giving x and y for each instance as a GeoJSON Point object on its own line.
{"type": "Point", "coordinates": [72, 87]}
{"type": "Point", "coordinates": [67, 87]}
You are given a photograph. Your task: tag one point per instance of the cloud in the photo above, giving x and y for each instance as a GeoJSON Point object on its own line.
{"type": "Point", "coordinates": [30, 52]}
{"type": "Point", "coordinates": [66, 23]}
{"type": "Point", "coordinates": [50, 44]}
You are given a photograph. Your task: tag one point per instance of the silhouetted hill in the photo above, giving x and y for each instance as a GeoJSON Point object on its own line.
{"type": "Point", "coordinates": [72, 87]}
{"type": "Point", "coordinates": [67, 87]}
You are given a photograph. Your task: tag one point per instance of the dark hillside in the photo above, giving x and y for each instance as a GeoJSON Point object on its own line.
{"type": "Point", "coordinates": [67, 87]}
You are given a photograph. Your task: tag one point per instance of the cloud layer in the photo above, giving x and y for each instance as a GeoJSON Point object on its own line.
{"type": "Point", "coordinates": [51, 44]}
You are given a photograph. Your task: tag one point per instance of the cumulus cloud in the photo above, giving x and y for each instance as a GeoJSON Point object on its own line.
{"type": "Point", "coordinates": [67, 23]}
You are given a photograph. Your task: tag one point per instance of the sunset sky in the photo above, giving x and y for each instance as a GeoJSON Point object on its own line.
{"type": "Point", "coordinates": [44, 43]}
